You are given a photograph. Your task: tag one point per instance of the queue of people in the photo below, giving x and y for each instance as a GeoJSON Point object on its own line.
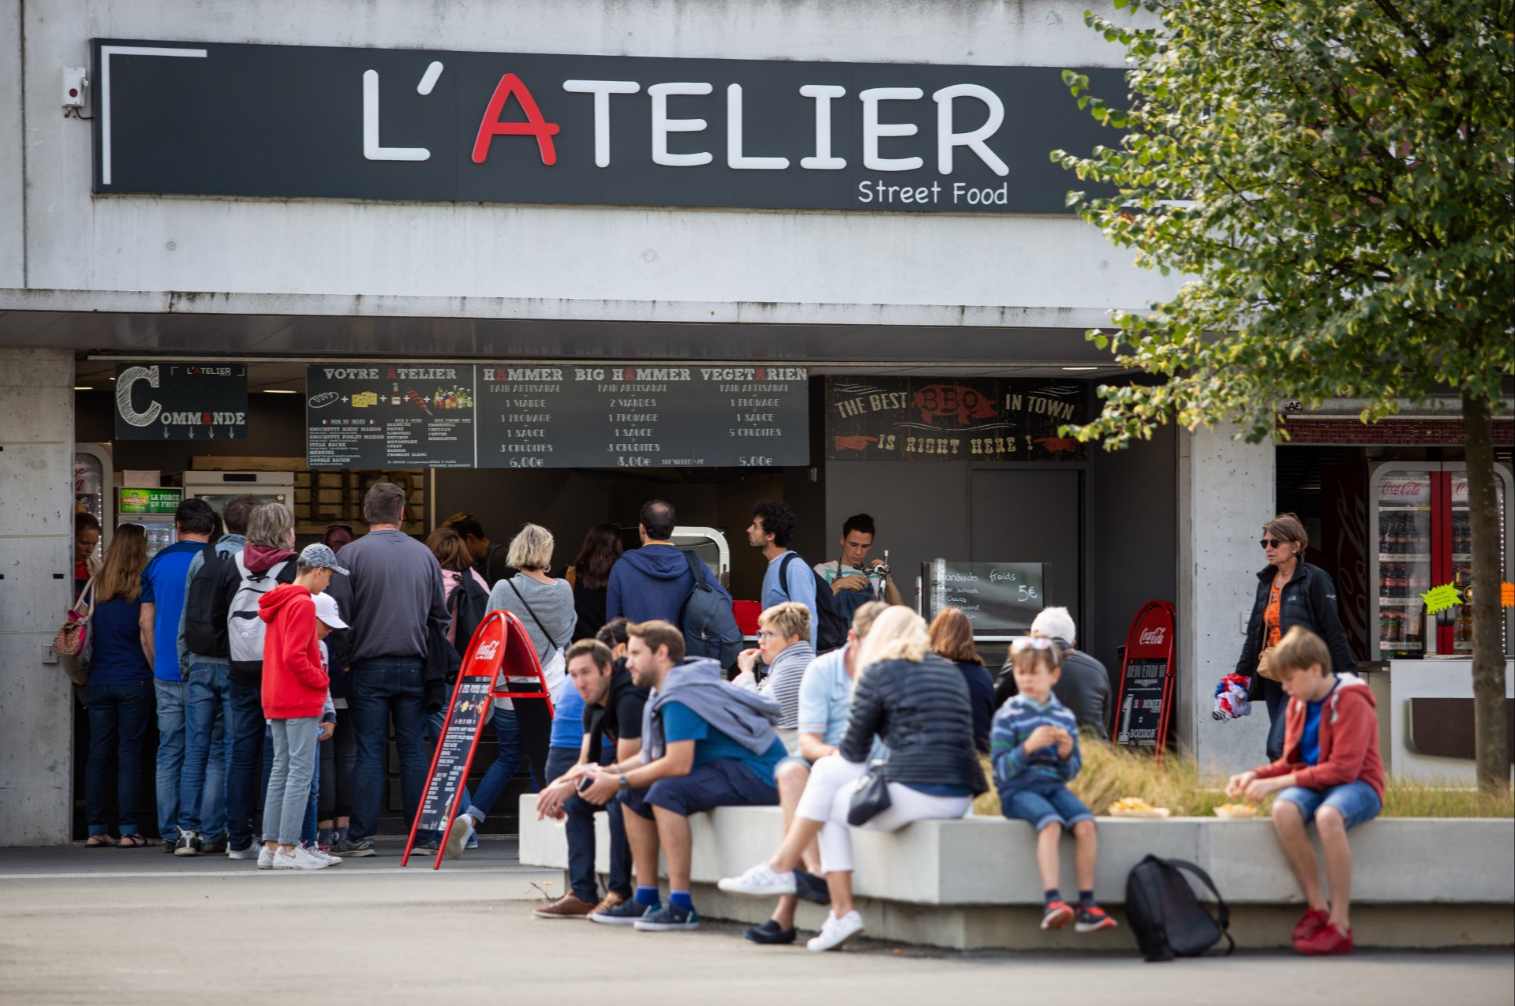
{"type": "Point", "coordinates": [239, 644]}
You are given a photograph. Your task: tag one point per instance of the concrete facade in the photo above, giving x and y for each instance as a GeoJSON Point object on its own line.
{"type": "Point", "coordinates": [36, 585]}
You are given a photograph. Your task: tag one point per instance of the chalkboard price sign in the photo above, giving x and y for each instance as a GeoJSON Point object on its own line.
{"type": "Point", "coordinates": [1143, 705]}
{"type": "Point", "coordinates": [999, 598]}
{"type": "Point", "coordinates": [181, 401]}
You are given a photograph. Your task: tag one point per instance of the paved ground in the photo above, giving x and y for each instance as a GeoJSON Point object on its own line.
{"type": "Point", "coordinates": [136, 926]}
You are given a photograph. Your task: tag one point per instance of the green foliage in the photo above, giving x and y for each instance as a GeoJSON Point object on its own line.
{"type": "Point", "coordinates": [1333, 178]}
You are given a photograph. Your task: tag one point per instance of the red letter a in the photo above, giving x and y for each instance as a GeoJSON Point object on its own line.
{"type": "Point", "coordinates": [533, 126]}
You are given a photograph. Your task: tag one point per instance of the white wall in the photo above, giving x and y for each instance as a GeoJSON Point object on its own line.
{"type": "Point", "coordinates": [607, 262]}
{"type": "Point", "coordinates": [36, 584]}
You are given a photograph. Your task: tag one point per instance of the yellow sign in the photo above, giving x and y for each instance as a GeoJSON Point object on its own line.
{"type": "Point", "coordinates": [1441, 598]}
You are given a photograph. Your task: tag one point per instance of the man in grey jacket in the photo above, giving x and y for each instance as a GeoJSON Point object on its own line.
{"type": "Point", "coordinates": [705, 744]}
{"type": "Point", "coordinates": [1085, 684]}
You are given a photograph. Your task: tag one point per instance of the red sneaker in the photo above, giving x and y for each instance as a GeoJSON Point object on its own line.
{"type": "Point", "coordinates": [1057, 916]}
{"type": "Point", "coordinates": [1327, 941]}
{"type": "Point", "coordinates": [1313, 920]}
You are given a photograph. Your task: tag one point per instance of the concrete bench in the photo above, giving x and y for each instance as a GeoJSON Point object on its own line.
{"type": "Point", "coordinates": [972, 883]}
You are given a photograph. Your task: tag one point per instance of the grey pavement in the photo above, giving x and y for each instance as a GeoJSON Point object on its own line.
{"type": "Point", "coordinates": [137, 926]}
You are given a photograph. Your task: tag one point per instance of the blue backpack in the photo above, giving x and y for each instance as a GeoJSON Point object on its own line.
{"type": "Point", "coordinates": [710, 628]}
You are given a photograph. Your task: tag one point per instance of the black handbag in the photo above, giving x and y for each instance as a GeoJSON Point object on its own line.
{"type": "Point", "coordinates": [871, 798]}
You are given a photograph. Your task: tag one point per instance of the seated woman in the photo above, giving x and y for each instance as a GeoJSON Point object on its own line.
{"type": "Point", "coordinates": [918, 704]}
{"type": "Point", "coordinates": [784, 647]}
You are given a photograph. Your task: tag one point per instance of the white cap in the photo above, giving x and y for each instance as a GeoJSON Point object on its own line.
{"type": "Point", "coordinates": [326, 611]}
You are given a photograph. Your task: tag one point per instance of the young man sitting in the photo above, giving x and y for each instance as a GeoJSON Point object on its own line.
{"type": "Point", "coordinates": [705, 744]}
{"type": "Point", "coordinates": [613, 706]}
{"type": "Point", "coordinates": [1330, 772]}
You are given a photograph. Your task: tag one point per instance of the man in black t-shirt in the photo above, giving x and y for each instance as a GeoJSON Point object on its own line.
{"type": "Point", "coordinates": [612, 713]}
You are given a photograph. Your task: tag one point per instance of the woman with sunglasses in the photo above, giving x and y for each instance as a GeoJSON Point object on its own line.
{"type": "Point", "coordinates": [1290, 592]}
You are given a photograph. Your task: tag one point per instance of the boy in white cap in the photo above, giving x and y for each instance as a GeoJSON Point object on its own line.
{"type": "Point", "coordinates": [295, 688]}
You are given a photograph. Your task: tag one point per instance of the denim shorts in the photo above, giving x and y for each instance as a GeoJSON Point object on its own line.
{"type": "Point", "coordinates": [1356, 802]}
{"type": "Point", "coordinates": [725, 782]}
{"type": "Point", "coordinates": [1044, 805]}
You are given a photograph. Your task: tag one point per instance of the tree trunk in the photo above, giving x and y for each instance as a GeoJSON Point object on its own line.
{"type": "Point", "coordinates": [1489, 720]}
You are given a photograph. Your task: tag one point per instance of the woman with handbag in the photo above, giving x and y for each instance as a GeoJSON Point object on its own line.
{"type": "Point", "coordinates": [916, 703]}
{"type": "Point", "coordinates": [1290, 592]}
{"type": "Point", "coordinates": [119, 693]}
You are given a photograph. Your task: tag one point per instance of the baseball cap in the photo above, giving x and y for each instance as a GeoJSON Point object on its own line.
{"type": "Point", "coordinates": [320, 555]}
{"type": "Point", "coordinates": [326, 611]}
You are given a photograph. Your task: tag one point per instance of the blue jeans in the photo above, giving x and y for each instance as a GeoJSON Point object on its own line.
{"type": "Point", "coordinates": [246, 769]}
{"type": "Point", "coordinates": [117, 724]}
{"type": "Point", "coordinates": [1042, 805]}
{"type": "Point", "coordinates": [1278, 703]}
{"type": "Point", "coordinates": [579, 824]}
{"type": "Point", "coordinates": [202, 785]}
{"type": "Point", "coordinates": [506, 762]}
{"type": "Point", "coordinates": [289, 789]}
{"type": "Point", "coordinates": [1356, 802]}
{"type": "Point", "coordinates": [170, 696]}
{"type": "Point", "coordinates": [380, 690]}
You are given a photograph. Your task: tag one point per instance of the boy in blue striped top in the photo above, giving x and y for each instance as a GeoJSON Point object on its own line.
{"type": "Point", "coordinates": [1034, 746]}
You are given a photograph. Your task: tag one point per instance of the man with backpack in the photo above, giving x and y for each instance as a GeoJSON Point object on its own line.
{"type": "Point", "coordinates": [790, 578]}
{"type": "Point", "coordinates": [660, 582]}
{"type": "Point", "coordinates": [205, 663]}
{"type": "Point", "coordinates": [265, 561]}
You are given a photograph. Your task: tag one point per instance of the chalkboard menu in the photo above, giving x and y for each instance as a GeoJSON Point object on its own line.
{"type": "Point", "coordinates": [181, 401]}
{"type": "Point", "coordinates": [999, 598]}
{"type": "Point", "coordinates": [470, 705]}
{"type": "Point", "coordinates": [606, 416]}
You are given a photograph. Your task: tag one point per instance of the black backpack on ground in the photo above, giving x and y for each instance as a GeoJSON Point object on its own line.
{"type": "Point", "coordinates": [203, 635]}
{"type": "Point", "coordinates": [709, 626]}
{"type": "Point", "coordinates": [468, 606]}
{"type": "Point", "coordinates": [831, 627]}
{"type": "Point", "coordinates": [1165, 916]}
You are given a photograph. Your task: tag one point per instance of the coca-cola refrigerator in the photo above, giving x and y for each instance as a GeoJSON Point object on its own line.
{"type": "Point", "coordinates": [1420, 523]}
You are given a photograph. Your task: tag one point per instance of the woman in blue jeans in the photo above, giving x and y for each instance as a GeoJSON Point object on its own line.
{"type": "Point", "coordinates": [119, 695]}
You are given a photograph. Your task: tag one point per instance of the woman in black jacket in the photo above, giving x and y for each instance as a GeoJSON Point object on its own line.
{"type": "Point", "coordinates": [918, 704]}
{"type": "Point", "coordinates": [1290, 592]}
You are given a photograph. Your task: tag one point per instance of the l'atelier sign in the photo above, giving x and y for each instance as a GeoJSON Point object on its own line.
{"type": "Point", "coordinates": [306, 121]}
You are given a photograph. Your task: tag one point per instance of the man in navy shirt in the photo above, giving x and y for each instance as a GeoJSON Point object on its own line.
{"type": "Point", "coordinates": [163, 583]}
{"type": "Point", "coordinates": [770, 531]}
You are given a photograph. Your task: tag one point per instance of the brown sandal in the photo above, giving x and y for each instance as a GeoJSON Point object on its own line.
{"type": "Point", "coordinates": [99, 842]}
{"type": "Point", "coordinates": [132, 841]}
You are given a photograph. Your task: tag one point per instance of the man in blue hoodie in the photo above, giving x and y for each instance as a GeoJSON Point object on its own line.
{"type": "Point", "coordinates": [650, 583]}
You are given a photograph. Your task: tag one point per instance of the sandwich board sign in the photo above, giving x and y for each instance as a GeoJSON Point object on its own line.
{"type": "Point", "coordinates": [1143, 705]}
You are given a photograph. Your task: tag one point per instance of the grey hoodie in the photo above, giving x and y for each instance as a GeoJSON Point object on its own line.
{"type": "Point", "coordinates": [697, 683]}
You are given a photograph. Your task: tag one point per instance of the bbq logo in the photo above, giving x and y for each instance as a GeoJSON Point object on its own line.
{"type": "Point", "coordinates": [966, 404]}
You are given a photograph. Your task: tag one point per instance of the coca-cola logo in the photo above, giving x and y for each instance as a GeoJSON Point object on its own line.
{"type": "Point", "coordinates": [1411, 488]}
{"type": "Point", "coordinates": [1153, 636]}
{"type": "Point", "coordinates": [486, 651]}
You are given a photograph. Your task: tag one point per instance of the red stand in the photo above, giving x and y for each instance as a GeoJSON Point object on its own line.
{"type": "Point", "coordinates": [500, 644]}
{"type": "Point", "coordinates": [1143, 704]}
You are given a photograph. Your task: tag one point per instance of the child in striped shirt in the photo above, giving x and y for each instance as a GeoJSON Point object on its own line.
{"type": "Point", "coordinates": [1034, 747]}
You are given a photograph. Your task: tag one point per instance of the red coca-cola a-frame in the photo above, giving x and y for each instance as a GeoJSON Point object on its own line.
{"type": "Point", "coordinates": [1143, 703]}
{"type": "Point", "coordinates": [501, 663]}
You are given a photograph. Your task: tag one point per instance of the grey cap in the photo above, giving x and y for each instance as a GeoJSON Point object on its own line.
{"type": "Point", "coordinates": [320, 555]}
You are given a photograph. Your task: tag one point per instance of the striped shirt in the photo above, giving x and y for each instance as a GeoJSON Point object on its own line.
{"type": "Point", "coordinates": [782, 682]}
{"type": "Point", "coordinates": [1013, 724]}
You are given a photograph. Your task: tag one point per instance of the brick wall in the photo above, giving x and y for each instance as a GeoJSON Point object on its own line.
{"type": "Point", "coordinates": [1407, 432]}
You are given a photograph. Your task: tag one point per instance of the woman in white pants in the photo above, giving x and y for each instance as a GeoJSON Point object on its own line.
{"type": "Point", "coordinates": [918, 704]}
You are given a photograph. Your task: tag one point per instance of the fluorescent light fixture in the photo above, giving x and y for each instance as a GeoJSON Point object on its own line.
{"type": "Point", "coordinates": [1080, 368]}
{"type": "Point", "coordinates": [280, 391]}
{"type": "Point", "coordinates": [84, 387]}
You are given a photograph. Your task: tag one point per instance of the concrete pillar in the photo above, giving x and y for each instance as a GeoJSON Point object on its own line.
{"type": "Point", "coordinates": [36, 581]}
{"type": "Point", "coordinates": [1225, 493]}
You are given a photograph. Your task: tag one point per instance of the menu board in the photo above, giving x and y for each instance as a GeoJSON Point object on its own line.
{"type": "Point", "coordinates": [607, 416]}
{"type": "Point", "coordinates": [470, 705]}
{"type": "Point", "coordinates": [389, 415]}
{"type": "Point", "coordinates": [1144, 687]}
{"type": "Point", "coordinates": [999, 598]}
{"type": "Point", "coordinates": [181, 401]}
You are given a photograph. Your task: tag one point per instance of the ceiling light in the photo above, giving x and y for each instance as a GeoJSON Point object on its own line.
{"type": "Point", "coordinates": [1080, 368]}
{"type": "Point", "coordinates": [83, 387]}
{"type": "Point", "coordinates": [280, 391]}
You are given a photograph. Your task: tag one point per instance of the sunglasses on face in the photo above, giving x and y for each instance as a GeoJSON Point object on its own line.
{"type": "Point", "coordinates": [1273, 542]}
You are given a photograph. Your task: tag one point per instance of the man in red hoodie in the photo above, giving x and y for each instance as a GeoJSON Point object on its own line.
{"type": "Point", "coordinates": [1330, 772]}
{"type": "Point", "coordinates": [294, 690]}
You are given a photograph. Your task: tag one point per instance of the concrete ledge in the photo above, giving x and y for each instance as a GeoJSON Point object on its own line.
{"type": "Point", "coordinates": [972, 883]}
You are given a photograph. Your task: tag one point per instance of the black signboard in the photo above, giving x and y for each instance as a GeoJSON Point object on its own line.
{"type": "Point", "coordinates": [602, 416]}
{"type": "Point", "coordinates": [307, 121]}
{"type": "Point", "coordinates": [181, 401]}
{"type": "Point", "coordinates": [999, 598]}
{"type": "Point", "coordinates": [470, 704]}
{"type": "Point", "coordinates": [953, 419]}
{"type": "Point", "coordinates": [1141, 704]}
{"type": "Point", "coordinates": [382, 415]}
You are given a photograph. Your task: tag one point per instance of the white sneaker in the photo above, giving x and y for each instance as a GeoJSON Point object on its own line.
{"type": "Point", "coordinates": [253, 851]}
{"type": "Point", "coordinates": [299, 859]}
{"type": "Point", "coordinates": [319, 853]}
{"type": "Point", "coordinates": [759, 882]}
{"type": "Point", "coordinates": [836, 932]}
{"type": "Point", "coordinates": [462, 831]}
{"type": "Point", "coordinates": [265, 858]}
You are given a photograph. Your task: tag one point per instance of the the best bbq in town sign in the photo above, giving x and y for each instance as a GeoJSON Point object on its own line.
{"type": "Point", "coordinates": [288, 121]}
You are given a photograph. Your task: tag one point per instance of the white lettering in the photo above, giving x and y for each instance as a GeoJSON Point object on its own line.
{"type": "Point", "coordinates": [873, 130]}
{"type": "Point", "coordinates": [734, 156]}
{"type": "Point", "coordinates": [371, 149]}
{"type": "Point", "coordinates": [823, 160]}
{"type": "Point", "coordinates": [662, 125]}
{"type": "Point", "coordinates": [602, 90]}
{"type": "Point", "coordinates": [946, 139]}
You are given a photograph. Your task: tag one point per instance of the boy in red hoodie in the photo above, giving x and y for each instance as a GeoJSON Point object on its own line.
{"type": "Point", "coordinates": [1330, 771]}
{"type": "Point", "coordinates": [294, 690]}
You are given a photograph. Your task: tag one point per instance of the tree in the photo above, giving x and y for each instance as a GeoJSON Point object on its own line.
{"type": "Point", "coordinates": [1334, 177]}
